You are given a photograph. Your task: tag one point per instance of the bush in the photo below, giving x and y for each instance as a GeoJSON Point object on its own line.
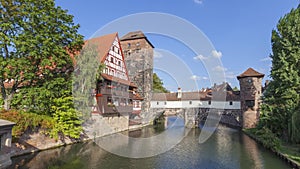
{"type": "Point", "coordinates": [265, 137]}
{"type": "Point", "coordinates": [26, 121]}
{"type": "Point", "coordinates": [67, 118]}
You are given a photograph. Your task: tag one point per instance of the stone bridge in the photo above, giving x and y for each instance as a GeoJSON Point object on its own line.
{"type": "Point", "coordinates": [194, 117]}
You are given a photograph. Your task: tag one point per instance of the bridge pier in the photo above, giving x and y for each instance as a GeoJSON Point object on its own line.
{"type": "Point", "coordinates": [190, 116]}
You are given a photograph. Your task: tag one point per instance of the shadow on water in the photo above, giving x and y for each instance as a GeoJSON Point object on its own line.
{"type": "Point", "coordinates": [227, 148]}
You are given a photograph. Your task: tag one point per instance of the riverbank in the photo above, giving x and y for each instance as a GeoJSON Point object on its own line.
{"type": "Point", "coordinates": [227, 148]}
{"type": "Point", "coordinates": [34, 142]}
{"type": "Point", "coordinates": [284, 152]}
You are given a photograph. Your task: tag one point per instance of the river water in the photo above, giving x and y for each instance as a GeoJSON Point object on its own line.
{"type": "Point", "coordinates": [226, 149]}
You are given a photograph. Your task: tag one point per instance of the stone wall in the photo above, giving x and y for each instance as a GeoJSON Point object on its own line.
{"type": "Point", "coordinates": [100, 125]}
{"type": "Point", "coordinates": [5, 142]}
{"type": "Point", "coordinates": [139, 62]}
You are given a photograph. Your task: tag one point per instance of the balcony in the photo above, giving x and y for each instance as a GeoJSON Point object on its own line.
{"type": "Point", "coordinates": [109, 109]}
{"type": "Point", "coordinates": [118, 93]}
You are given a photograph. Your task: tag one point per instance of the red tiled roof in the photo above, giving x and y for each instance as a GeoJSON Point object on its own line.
{"type": "Point", "coordinates": [103, 44]}
{"type": "Point", "coordinates": [250, 73]}
{"type": "Point", "coordinates": [116, 79]}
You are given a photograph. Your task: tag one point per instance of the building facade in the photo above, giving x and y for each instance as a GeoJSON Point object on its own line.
{"type": "Point", "coordinates": [115, 94]}
{"type": "Point", "coordinates": [251, 92]}
{"type": "Point", "coordinates": [138, 52]}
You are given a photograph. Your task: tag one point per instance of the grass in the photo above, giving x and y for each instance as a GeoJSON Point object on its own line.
{"type": "Point", "coordinates": [292, 151]}
{"type": "Point", "coordinates": [264, 137]}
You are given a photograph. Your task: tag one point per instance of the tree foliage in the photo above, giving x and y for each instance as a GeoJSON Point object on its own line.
{"type": "Point", "coordinates": [36, 39]}
{"type": "Point", "coordinates": [158, 85]}
{"type": "Point", "coordinates": [87, 75]}
{"type": "Point", "coordinates": [281, 108]}
{"type": "Point", "coordinates": [67, 118]}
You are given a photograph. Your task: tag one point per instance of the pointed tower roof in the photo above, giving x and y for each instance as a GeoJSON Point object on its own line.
{"type": "Point", "coordinates": [250, 72]}
{"type": "Point", "coordinates": [103, 44]}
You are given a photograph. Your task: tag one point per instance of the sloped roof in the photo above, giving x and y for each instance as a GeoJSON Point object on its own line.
{"type": "Point", "coordinates": [118, 80]}
{"type": "Point", "coordinates": [103, 44]}
{"type": "Point", "coordinates": [250, 72]}
{"type": "Point", "coordinates": [135, 35]}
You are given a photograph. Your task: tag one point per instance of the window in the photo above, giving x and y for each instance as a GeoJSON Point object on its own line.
{"type": "Point", "coordinates": [138, 104]}
{"type": "Point", "coordinates": [119, 63]}
{"type": "Point", "coordinates": [108, 84]}
{"type": "Point", "coordinates": [250, 103]}
{"type": "Point", "coordinates": [109, 100]}
{"type": "Point", "coordinates": [209, 102]}
{"type": "Point", "coordinates": [112, 60]}
{"type": "Point", "coordinates": [230, 103]}
{"type": "Point", "coordinates": [157, 103]}
{"type": "Point", "coordinates": [191, 102]}
{"type": "Point", "coordinates": [130, 101]}
{"type": "Point", "coordinates": [128, 45]}
{"type": "Point", "coordinates": [165, 103]}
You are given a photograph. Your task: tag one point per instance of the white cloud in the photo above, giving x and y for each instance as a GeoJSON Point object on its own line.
{"type": "Point", "coordinates": [157, 55]}
{"type": "Point", "coordinates": [200, 57]}
{"type": "Point", "coordinates": [195, 77]}
{"type": "Point", "coordinates": [204, 78]}
{"type": "Point", "coordinates": [265, 59]}
{"type": "Point", "coordinates": [220, 68]}
{"type": "Point", "coordinates": [216, 54]}
{"type": "Point", "coordinates": [198, 1]}
{"type": "Point", "coordinates": [230, 75]}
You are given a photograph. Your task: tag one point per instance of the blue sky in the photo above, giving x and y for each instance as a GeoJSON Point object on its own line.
{"type": "Point", "coordinates": [240, 32]}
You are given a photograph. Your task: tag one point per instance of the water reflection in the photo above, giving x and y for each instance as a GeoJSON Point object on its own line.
{"type": "Point", "coordinates": [227, 148]}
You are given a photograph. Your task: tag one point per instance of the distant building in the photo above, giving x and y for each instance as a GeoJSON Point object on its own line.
{"type": "Point", "coordinates": [244, 105]}
{"type": "Point", "coordinates": [198, 99]}
{"type": "Point", "coordinates": [138, 52]}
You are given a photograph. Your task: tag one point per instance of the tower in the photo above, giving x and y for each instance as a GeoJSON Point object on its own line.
{"type": "Point", "coordinates": [250, 92]}
{"type": "Point", "coordinates": [138, 52]}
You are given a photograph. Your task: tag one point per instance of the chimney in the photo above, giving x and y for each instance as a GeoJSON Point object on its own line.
{"type": "Point", "coordinates": [179, 93]}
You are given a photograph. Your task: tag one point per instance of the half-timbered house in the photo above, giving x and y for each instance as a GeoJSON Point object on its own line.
{"type": "Point", "coordinates": [115, 93]}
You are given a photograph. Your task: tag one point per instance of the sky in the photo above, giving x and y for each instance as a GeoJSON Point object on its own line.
{"type": "Point", "coordinates": [196, 41]}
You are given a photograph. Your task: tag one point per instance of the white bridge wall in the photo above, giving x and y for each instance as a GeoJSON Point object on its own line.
{"type": "Point", "coordinates": [196, 104]}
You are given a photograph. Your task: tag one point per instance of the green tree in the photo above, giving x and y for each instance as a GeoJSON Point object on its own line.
{"type": "Point", "coordinates": [158, 85]}
{"type": "Point", "coordinates": [236, 89]}
{"type": "Point", "coordinates": [36, 40]}
{"type": "Point", "coordinates": [283, 93]}
{"type": "Point", "coordinates": [87, 76]}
